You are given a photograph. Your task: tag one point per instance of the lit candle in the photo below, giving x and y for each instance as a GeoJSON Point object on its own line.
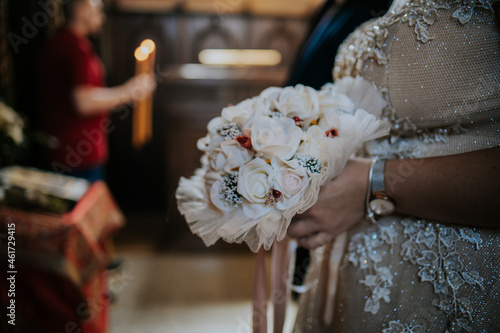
{"type": "Point", "coordinates": [151, 47]}
{"type": "Point", "coordinates": [139, 123]}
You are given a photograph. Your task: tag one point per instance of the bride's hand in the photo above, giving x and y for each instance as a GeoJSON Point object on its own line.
{"type": "Point", "coordinates": [341, 205]}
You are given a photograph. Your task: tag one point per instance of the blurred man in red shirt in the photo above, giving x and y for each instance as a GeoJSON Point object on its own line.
{"type": "Point", "coordinates": [75, 102]}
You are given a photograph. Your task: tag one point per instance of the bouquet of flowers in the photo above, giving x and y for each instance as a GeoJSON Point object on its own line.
{"type": "Point", "coordinates": [266, 158]}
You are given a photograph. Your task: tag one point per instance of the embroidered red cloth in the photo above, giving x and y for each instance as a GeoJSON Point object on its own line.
{"type": "Point", "coordinates": [60, 261]}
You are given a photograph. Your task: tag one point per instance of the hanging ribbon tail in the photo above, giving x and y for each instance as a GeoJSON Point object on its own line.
{"type": "Point", "coordinates": [333, 262]}
{"type": "Point", "coordinates": [259, 299]}
{"type": "Point", "coordinates": [279, 282]}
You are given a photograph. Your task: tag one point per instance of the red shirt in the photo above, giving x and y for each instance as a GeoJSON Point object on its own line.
{"type": "Point", "coordinates": [69, 61]}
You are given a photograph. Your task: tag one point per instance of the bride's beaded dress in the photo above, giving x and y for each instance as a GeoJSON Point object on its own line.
{"type": "Point", "coordinates": [438, 65]}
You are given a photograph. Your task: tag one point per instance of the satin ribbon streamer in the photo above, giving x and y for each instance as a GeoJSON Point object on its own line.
{"type": "Point", "coordinates": [280, 292]}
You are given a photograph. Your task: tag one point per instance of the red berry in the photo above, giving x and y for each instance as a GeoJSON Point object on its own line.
{"type": "Point", "coordinates": [244, 141]}
{"type": "Point", "coordinates": [331, 133]}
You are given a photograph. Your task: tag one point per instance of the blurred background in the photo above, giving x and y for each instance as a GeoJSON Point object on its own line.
{"type": "Point", "coordinates": [168, 281]}
{"type": "Point", "coordinates": [188, 94]}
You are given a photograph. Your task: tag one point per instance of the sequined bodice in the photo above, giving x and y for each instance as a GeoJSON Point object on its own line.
{"type": "Point", "coordinates": [438, 65]}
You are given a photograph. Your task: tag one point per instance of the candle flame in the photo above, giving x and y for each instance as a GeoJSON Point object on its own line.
{"type": "Point", "coordinates": [149, 44]}
{"type": "Point", "coordinates": [141, 53]}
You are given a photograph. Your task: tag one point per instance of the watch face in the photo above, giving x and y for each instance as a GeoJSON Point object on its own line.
{"type": "Point", "coordinates": [382, 206]}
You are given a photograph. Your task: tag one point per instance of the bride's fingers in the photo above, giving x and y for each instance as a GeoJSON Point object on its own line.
{"type": "Point", "coordinates": [314, 241]}
{"type": "Point", "coordinates": [301, 228]}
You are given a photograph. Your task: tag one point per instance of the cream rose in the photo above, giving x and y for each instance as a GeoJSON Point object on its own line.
{"type": "Point", "coordinates": [255, 181]}
{"type": "Point", "coordinates": [290, 180]}
{"type": "Point", "coordinates": [229, 156]}
{"type": "Point", "coordinates": [331, 100]}
{"type": "Point", "coordinates": [245, 111]}
{"type": "Point", "coordinates": [299, 101]}
{"type": "Point", "coordinates": [275, 136]}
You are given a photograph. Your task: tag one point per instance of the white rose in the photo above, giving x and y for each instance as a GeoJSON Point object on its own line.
{"type": "Point", "coordinates": [330, 100]}
{"type": "Point", "coordinates": [299, 101]}
{"type": "Point", "coordinates": [271, 93]}
{"type": "Point", "coordinates": [255, 181]}
{"type": "Point", "coordinates": [291, 180]}
{"type": "Point", "coordinates": [275, 136]}
{"type": "Point", "coordinates": [314, 143]}
{"type": "Point", "coordinates": [244, 111]}
{"type": "Point", "coordinates": [362, 93]}
{"type": "Point", "coordinates": [229, 156]}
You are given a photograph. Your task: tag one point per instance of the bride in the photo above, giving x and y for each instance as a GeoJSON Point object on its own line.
{"type": "Point", "coordinates": [426, 259]}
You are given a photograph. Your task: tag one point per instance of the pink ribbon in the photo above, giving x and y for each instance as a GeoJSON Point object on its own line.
{"type": "Point", "coordinates": [259, 298]}
{"type": "Point", "coordinates": [279, 288]}
{"type": "Point", "coordinates": [279, 283]}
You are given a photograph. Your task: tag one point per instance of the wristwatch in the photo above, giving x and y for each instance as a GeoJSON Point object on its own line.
{"type": "Point", "coordinates": [378, 203]}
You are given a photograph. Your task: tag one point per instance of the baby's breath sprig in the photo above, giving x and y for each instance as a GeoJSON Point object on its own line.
{"type": "Point", "coordinates": [229, 190]}
{"type": "Point", "coordinates": [229, 131]}
{"type": "Point", "coordinates": [310, 163]}
{"type": "Point", "coordinates": [273, 112]}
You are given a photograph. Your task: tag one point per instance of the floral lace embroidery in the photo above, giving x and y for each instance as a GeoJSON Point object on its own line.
{"type": "Point", "coordinates": [434, 248]}
{"type": "Point", "coordinates": [412, 149]}
{"type": "Point", "coordinates": [396, 327]}
{"type": "Point", "coordinates": [431, 247]}
{"type": "Point", "coordinates": [366, 252]}
{"type": "Point", "coordinates": [464, 13]}
{"type": "Point", "coordinates": [368, 42]}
